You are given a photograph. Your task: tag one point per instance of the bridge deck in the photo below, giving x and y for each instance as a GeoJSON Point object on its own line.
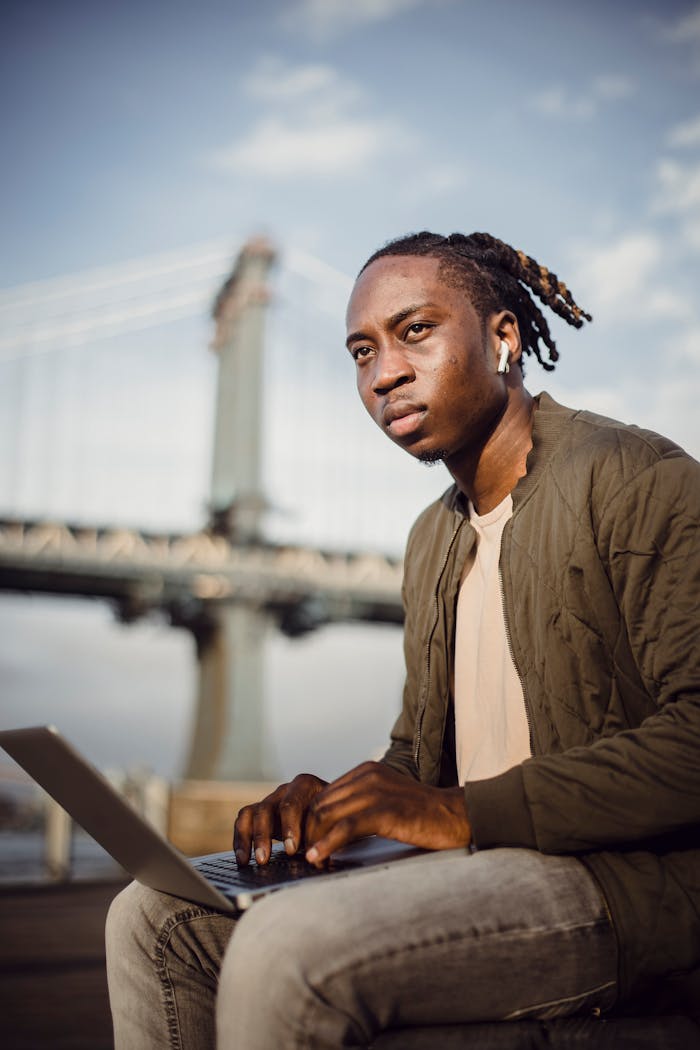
{"type": "Point", "coordinates": [141, 572]}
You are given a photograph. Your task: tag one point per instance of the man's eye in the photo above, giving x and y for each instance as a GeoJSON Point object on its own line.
{"type": "Point", "coordinates": [361, 352]}
{"type": "Point", "coordinates": [417, 328]}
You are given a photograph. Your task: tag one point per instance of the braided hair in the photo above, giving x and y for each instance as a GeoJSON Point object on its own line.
{"type": "Point", "coordinates": [497, 277]}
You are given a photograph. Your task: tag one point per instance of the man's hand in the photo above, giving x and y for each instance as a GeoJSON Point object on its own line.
{"type": "Point", "coordinates": [281, 815]}
{"type": "Point", "coordinates": [373, 799]}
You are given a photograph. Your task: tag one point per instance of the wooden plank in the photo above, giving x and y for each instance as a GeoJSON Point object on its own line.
{"type": "Point", "coordinates": [202, 812]}
{"type": "Point", "coordinates": [67, 1008]}
{"type": "Point", "coordinates": [53, 984]}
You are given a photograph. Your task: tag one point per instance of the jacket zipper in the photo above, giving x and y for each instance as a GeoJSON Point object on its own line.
{"type": "Point", "coordinates": [436, 602]}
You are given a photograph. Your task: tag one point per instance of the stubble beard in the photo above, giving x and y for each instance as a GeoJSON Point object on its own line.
{"type": "Point", "coordinates": [433, 456]}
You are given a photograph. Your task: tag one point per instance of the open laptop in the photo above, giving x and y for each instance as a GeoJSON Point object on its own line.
{"type": "Point", "coordinates": [214, 880]}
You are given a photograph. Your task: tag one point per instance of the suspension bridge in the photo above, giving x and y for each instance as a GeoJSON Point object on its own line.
{"type": "Point", "coordinates": [223, 490]}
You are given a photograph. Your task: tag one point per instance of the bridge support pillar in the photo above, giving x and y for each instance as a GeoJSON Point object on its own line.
{"type": "Point", "coordinates": [228, 737]}
{"type": "Point", "coordinates": [228, 733]}
{"type": "Point", "coordinates": [237, 499]}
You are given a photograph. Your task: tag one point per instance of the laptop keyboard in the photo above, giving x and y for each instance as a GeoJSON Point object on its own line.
{"type": "Point", "coordinates": [226, 875]}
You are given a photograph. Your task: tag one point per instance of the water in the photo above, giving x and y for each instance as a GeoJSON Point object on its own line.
{"type": "Point", "coordinates": [124, 695]}
{"type": "Point", "coordinates": [22, 858]}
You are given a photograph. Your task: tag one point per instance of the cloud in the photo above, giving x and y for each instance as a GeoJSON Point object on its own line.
{"type": "Point", "coordinates": [273, 81]}
{"type": "Point", "coordinates": [433, 181]}
{"type": "Point", "coordinates": [627, 285]}
{"type": "Point", "coordinates": [323, 19]}
{"type": "Point", "coordinates": [552, 102]}
{"type": "Point", "coordinates": [559, 101]}
{"type": "Point", "coordinates": [684, 30]}
{"type": "Point", "coordinates": [314, 123]}
{"type": "Point", "coordinates": [308, 127]}
{"type": "Point", "coordinates": [278, 150]}
{"type": "Point", "coordinates": [610, 87]}
{"type": "Point", "coordinates": [621, 280]}
{"type": "Point", "coordinates": [664, 401]}
{"type": "Point", "coordinates": [686, 134]}
{"type": "Point", "coordinates": [619, 269]}
{"type": "Point", "coordinates": [686, 349]}
{"type": "Point", "coordinates": [678, 193]}
{"type": "Point", "coordinates": [678, 187]}
{"type": "Point", "coordinates": [673, 410]}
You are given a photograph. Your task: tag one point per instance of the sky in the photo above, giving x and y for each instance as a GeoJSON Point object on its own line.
{"type": "Point", "coordinates": [138, 131]}
{"type": "Point", "coordinates": [569, 130]}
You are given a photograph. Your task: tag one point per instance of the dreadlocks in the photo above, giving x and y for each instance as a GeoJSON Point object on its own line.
{"type": "Point", "coordinates": [497, 277]}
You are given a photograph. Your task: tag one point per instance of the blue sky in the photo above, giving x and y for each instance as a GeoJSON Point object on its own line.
{"type": "Point", "coordinates": [570, 130]}
{"type": "Point", "coordinates": [137, 127]}
{"type": "Point", "coordinates": [131, 129]}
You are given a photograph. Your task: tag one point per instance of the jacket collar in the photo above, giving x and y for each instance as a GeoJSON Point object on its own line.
{"type": "Point", "coordinates": [549, 420]}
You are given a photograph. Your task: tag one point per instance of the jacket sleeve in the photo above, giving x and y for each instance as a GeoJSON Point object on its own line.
{"type": "Point", "coordinates": [639, 786]}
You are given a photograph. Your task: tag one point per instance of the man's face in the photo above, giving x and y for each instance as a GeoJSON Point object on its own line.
{"type": "Point", "coordinates": [426, 368]}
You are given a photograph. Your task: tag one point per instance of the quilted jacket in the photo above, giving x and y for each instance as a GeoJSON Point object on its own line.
{"type": "Point", "coordinates": [600, 566]}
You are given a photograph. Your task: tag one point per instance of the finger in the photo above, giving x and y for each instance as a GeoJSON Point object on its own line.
{"type": "Point", "coordinates": [263, 828]}
{"type": "Point", "coordinates": [353, 792]}
{"type": "Point", "coordinates": [243, 834]}
{"type": "Point", "coordinates": [293, 809]}
{"type": "Point", "coordinates": [291, 816]}
{"type": "Point", "coordinates": [343, 832]}
{"type": "Point", "coordinates": [325, 811]}
{"type": "Point", "coordinates": [243, 825]}
{"type": "Point", "coordinates": [368, 786]}
{"type": "Point", "coordinates": [354, 776]}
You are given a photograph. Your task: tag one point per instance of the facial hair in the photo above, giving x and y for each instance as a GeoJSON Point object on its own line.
{"type": "Point", "coordinates": [430, 458]}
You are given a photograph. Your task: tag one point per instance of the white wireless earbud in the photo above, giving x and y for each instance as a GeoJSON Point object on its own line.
{"type": "Point", "coordinates": [503, 365]}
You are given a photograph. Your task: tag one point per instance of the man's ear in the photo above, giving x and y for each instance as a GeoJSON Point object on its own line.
{"type": "Point", "coordinates": [503, 328]}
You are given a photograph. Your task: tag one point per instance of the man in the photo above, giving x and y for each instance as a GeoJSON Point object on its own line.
{"type": "Point", "coordinates": [550, 720]}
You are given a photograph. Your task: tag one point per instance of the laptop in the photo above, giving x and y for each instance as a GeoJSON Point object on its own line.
{"type": "Point", "coordinates": [214, 880]}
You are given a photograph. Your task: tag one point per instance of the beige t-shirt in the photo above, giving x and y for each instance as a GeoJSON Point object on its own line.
{"type": "Point", "coordinates": [491, 728]}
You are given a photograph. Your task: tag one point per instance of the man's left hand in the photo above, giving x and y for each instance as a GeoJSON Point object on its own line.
{"type": "Point", "coordinates": [373, 799]}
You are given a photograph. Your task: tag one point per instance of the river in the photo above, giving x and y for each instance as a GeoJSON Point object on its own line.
{"type": "Point", "coordinates": [124, 696]}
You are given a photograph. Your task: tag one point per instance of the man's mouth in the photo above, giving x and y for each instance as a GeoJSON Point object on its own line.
{"type": "Point", "coordinates": [402, 418]}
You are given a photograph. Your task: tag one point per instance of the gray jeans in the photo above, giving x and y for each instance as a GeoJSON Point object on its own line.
{"type": "Point", "coordinates": [499, 935]}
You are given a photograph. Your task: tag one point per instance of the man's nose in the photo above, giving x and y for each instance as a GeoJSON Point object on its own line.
{"type": "Point", "coordinates": [392, 370]}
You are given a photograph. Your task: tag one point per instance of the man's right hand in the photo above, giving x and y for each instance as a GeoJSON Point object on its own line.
{"type": "Point", "coordinates": [282, 815]}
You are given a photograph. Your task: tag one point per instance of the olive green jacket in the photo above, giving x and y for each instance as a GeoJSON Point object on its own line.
{"type": "Point", "coordinates": [600, 566]}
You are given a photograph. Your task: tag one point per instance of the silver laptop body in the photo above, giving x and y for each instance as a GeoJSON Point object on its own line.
{"type": "Point", "coordinates": [215, 880]}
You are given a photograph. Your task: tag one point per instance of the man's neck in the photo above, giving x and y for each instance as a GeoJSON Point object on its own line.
{"type": "Point", "coordinates": [487, 475]}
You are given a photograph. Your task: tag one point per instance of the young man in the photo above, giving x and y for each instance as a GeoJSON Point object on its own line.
{"type": "Point", "coordinates": [551, 715]}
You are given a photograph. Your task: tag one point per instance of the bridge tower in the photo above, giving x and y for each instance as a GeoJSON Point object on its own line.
{"type": "Point", "coordinates": [228, 735]}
